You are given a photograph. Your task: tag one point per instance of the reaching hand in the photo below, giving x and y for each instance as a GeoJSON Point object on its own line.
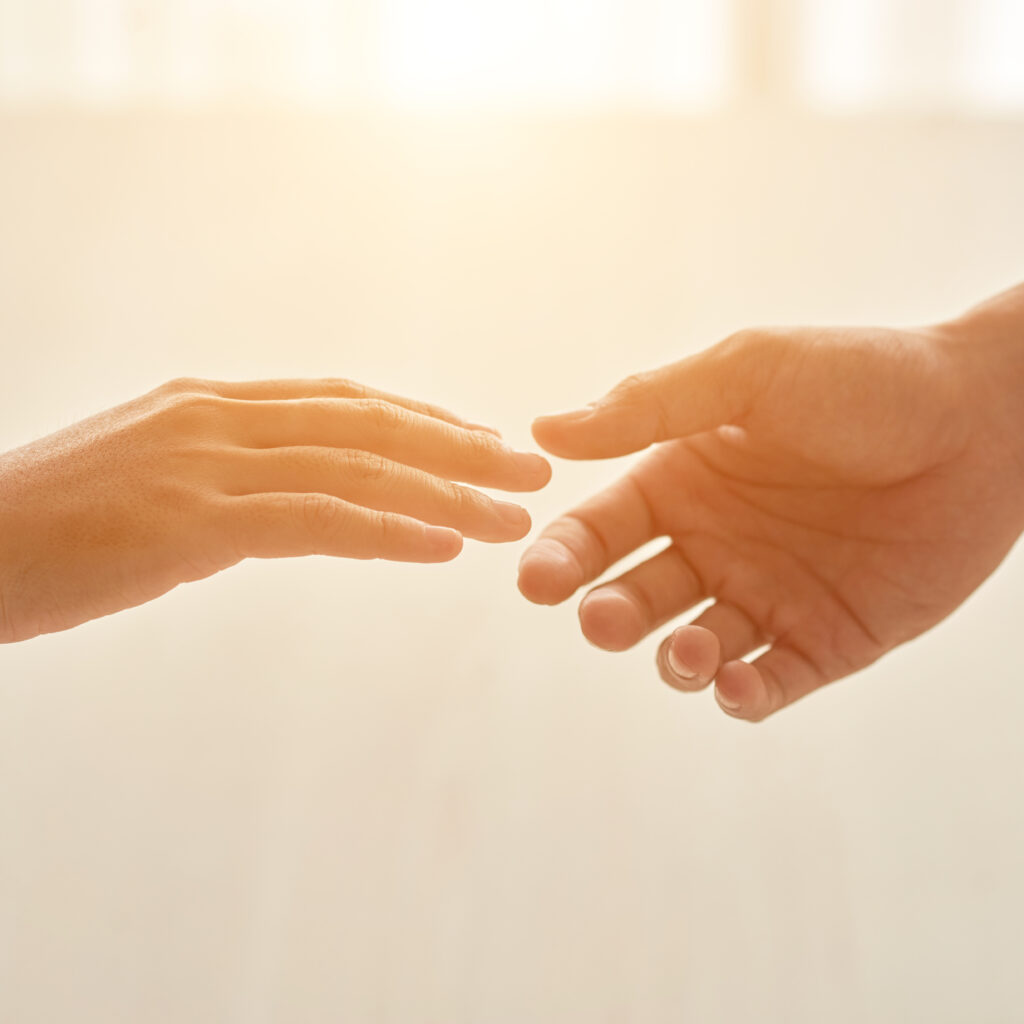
{"type": "Point", "coordinates": [192, 478]}
{"type": "Point", "coordinates": [836, 492]}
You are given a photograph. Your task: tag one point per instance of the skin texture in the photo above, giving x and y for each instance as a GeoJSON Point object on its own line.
{"type": "Point", "coordinates": [836, 492]}
{"type": "Point", "coordinates": [190, 479]}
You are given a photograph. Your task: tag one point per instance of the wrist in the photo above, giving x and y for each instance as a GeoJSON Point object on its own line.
{"type": "Point", "coordinates": [987, 343]}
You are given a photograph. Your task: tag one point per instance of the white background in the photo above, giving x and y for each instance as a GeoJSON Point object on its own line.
{"type": "Point", "coordinates": [326, 791]}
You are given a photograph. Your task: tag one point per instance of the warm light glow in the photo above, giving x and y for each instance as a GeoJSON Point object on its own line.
{"type": "Point", "coordinates": [995, 68]}
{"type": "Point", "coordinates": [840, 47]}
{"type": "Point", "coordinates": [852, 55]}
{"type": "Point", "coordinates": [413, 53]}
{"type": "Point", "coordinates": [913, 54]}
{"type": "Point", "coordinates": [653, 52]}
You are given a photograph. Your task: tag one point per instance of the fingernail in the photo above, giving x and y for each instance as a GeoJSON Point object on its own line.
{"type": "Point", "coordinates": [572, 416]}
{"type": "Point", "coordinates": [513, 515]}
{"type": "Point", "coordinates": [442, 538]}
{"type": "Point", "coordinates": [725, 704]}
{"type": "Point", "coordinates": [547, 551]}
{"type": "Point", "coordinates": [678, 667]}
{"type": "Point", "coordinates": [531, 461]}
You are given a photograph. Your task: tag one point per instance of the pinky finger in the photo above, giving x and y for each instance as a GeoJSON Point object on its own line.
{"type": "Point", "coordinates": [294, 525]}
{"type": "Point", "coordinates": [755, 690]}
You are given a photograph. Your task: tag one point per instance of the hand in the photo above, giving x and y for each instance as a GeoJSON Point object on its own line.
{"type": "Point", "coordinates": [192, 478]}
{"type": "Point", "coordinates": [836, 492]}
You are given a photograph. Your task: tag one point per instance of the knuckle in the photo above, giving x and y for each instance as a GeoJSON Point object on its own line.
{"type": "Point", "coordinates": [345, 386]}
{"type": "Point", "coordinates": [318, 514]}
{"type": "Point", "coordinates": [185, 385]}
{"type": "Point", "coordinates": [759, 342]}
{"type": "Point", "coordinates": [749, 361]}
{"type": "Point", "coordinates": [385, 525]}
{"type": "Point", "coordinates": [640, 397]}
{"type": "Point", "coordinates": [633, 391]}
{"type": "Point", "coordinates": [481, 447]}
{"type": "Point", "coordinates": [463, 501]}
{"type": "Point", "coordinates": [365, 467]}
{"type": "Point", "coordinates": [180, 496]}
{"type": "Point", "coordinates": [200, 460]}
{"type": "Point", "coordinates": [658, 406]}
{"type": "Point", "coordinates": [383, 416]}
{"type": "Point", "coordinates": [274, 510]}
{"type": "Point", "coordinates": [635, 382]}
{"type": "Point", "coordinates": [742, 338]}
{"type": "Point", "coordinates": [191, 411]}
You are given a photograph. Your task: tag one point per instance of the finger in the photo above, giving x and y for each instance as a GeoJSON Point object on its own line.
{"type": "Point", "coordinates": [737, 633]}
{"type": "Point", "coordinates": [367, 479]}
{"type": "Point", "coordinates": [331, 387]}
{"type": "Point", "coordinates": [754, 691]}
{"type": "Point", "coordinates": [705, 391]}
{"type": "Point", "coordinates": [687, 655]}
{"type": "Point", "coordinates": [688, 659]}
{"type": "Point", "coordinates": [293, 525]}
{"type": "Point", "coordinates": [395, 433]}
{"type": "Point", "coordinates": [618, 615]}
{"type": "Point", "coordinates": [581, 545]}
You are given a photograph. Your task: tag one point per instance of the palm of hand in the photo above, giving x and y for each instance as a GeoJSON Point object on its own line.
{"type": "Point", "coordinates": [832, 570]}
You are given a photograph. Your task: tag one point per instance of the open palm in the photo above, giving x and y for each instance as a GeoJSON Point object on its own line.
{"type": "Point", "coordinates": [834, 493]}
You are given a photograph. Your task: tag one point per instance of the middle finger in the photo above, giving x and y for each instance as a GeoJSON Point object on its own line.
{"type": "Point", "coordinates": [396, 433]}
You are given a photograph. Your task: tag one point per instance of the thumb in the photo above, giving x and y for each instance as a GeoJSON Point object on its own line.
{"type": "Point", "coordinates": [708, 390]}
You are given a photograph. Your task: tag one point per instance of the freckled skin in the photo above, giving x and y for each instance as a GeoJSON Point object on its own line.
{"type": "Point", "coordinates": [837, 492]}
{"type": "Point", "coordinates": [191, 478]}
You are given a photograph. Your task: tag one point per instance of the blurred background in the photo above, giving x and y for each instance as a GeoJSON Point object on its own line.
{"type": "Point", "coordinates": [319, 791]}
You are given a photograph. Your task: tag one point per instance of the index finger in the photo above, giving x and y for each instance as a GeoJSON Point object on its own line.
{"type": "Point", "coordinates": [711, 389]}
{"type": "Point", "coordinates": [394, 432]}
{"type": "Point", "coordinates": [335, 387]}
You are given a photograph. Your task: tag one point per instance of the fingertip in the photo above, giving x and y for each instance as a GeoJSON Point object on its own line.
{"type": "Point", "coordinates": [604, 431]}
{"type": "Point", "coordinates": [610, 620]}
{"type": "Point", "coordinates": [532, 472]}
{"type": "Point", "coordinates": [689, 658]}
{"type": "Point", "coordinates": [548, 574]}
{"type": "Point", "coordinates": [740, 691]}
{"type": "Point", "coordinates": [515, 520]}
{"type": "Point", "coordinates": [541, 471]}
{"type": "Point", "coordinates": [555, 433]}
{"type": "Point", "coordinates": [443, 543]}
